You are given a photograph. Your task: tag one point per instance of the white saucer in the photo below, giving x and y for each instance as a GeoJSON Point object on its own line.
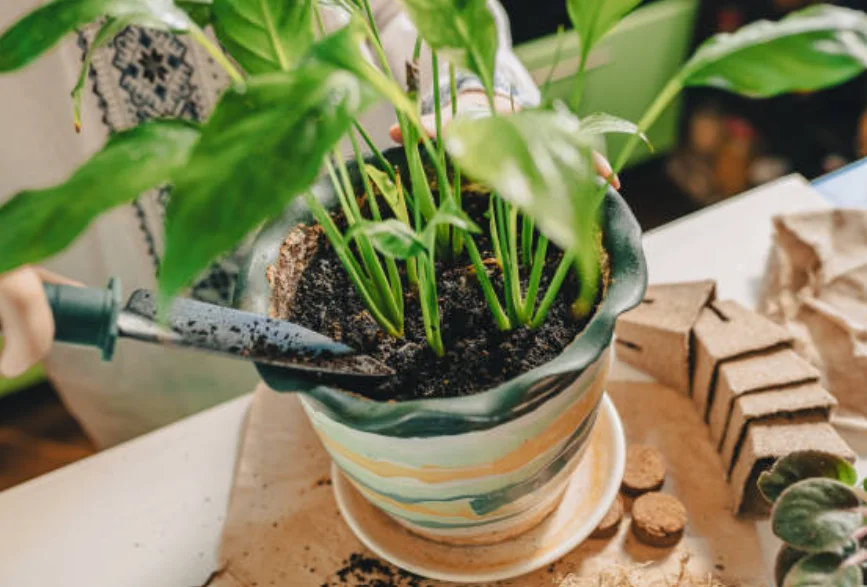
{"type": "Point", "coordinates": [590, 493]}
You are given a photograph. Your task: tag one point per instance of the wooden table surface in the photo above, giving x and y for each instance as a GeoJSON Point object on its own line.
{"type": "Point", "coordinates": [150, 512]}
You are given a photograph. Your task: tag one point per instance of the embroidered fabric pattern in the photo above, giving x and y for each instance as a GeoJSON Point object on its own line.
{"type": "Point", "coordinates": [146, 74]}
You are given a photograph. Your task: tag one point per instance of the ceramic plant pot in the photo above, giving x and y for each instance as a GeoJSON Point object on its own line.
{"type": "Point", "coordinates": [474, 469]}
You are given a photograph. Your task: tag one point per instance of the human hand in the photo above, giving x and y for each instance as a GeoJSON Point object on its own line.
{"type": "Point", "coordinates": [475, 101]}
{"type": "Point", "coordinates": [25, 318]}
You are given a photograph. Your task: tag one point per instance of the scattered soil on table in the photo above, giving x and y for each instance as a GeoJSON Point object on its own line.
{"type": "Point", "coordinates": [478, 355]}
{"type": "Point", "coordinates": [361, 569]}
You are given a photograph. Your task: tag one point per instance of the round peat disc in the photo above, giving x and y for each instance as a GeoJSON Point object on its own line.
{"type": "Point", "coordinates": [609, 524]}
{"type": "Point", "coordinates": [658, 519]}
{"type": "Point", "coordinates": [645, 470]}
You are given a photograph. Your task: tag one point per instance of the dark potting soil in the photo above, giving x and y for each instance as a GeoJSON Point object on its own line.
{"type": "Point", "coordinates": [478, 355]}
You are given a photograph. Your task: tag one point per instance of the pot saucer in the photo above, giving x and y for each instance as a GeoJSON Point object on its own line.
{"type": "Point", "coordinates": [591, 490]}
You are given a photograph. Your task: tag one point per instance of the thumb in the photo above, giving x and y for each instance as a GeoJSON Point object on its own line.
{"type": "Point", "coordinates": [27, 322]}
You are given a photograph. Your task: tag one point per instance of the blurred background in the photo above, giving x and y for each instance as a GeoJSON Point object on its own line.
{"type": "Point", "coordinates": [709, 146]}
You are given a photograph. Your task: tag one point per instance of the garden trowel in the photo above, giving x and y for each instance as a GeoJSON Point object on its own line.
{"type": "Point", "coordinates": [96, 317]}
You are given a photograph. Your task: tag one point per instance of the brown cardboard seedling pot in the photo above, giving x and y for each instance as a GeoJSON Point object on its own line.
{"type": "Point", "coordinates": [656, 336]}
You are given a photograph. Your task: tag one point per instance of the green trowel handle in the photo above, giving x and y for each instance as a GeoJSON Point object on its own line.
{"type": "Point", "coordinates": [85, 315]}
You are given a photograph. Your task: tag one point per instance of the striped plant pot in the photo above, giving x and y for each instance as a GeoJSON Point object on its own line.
{"type": "Point", "coordinates": [479, 468]}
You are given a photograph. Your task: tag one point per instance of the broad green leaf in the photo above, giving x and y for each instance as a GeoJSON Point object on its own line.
{"type": "Point", "coordinates": [813, 48]}
{"type": "Point", "coordinates": [593, 18]}
{"type": "Point", "coordinates": [816, 515]}
{"type": "Point", "coordinates": [200, 11]}
{"type": "Point", "coordinates": [390, 237]}
{"type": "Point", "coordinates": [601, 123]}
{"type": "Point", "coordinates": [787, 558]}
{"type": "Point", "coordinates": [537, 160]}
{"type": "Point", "coordinates": [826, 569]}
{"type": "Point", "coordinates": [463, 30]}
{"type": "Point", "coordinates": [264, 35]}
{"type": "Point", "coordinates": [801, 465]}
{"type": "Point", "coordinates": [40, 223]}
{"type": "Point", "coordinates": [263, 146]}
{"type": "Point", "coordinates": [40, 30]}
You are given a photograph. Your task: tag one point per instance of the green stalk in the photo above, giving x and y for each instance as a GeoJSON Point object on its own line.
{"type": "Point", "coordinates": [665, 97]}
{"type": "Point", "coordinates": [443, 233]}
{"type": "Point", "coordinates": [503, 322]}
{"type": "Point", "coordinates": [578, 85]}
{"type": "Point", "coordinates": [350, 264]}
{"type": "Point", "coordinates": [216, 53]}
{"type": "Point", "coordinates": [429, 303]}
{"type": "Point", "coordinates": [369, 258]}
{"type": "Point", "coordinates": [554, 63]}
{"type": "Point", "coordinates": [527, 228]}
{"type": "Point", "coordinates": [341, 192]}
{"type": "Point", "coordinates": [390, 264]}
{"type": "Point", "coordinates": [553, 289]}
{"type": "Point", "coordinates": [503, 239]}
{"type": "Point", "coordinates": [535, 278]}
{"type": "Point", "coordinates": [380, 158]}
{"type": "Point", "coordinates": [515, 284]}
{"type": "Point", "coordinates": [457, 236]}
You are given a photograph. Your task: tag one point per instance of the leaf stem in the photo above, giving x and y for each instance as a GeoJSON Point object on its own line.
{"type": "Point", "coordinates": [457, 236]}
{"type": "Point", "coordinates": [665, 97]}
{"type": "Point", "coordinates": [503, 322]}
{"type": "Point", "coordinates": [380, 158]}
{"type": "Point", "coordinates": [535, 277]}
{"type": "Point", "coordinates": [216, 53]}
{"type": "Point", "coordinates": [553, 289]}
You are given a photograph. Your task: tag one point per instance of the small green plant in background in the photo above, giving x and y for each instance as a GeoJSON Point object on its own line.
{"type": "Point", "coordinates": [296, 93]}
{"type": "Point", "coordinates": [820, 512]}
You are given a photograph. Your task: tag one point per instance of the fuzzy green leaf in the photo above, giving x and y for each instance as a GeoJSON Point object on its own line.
{"type": "Point", "coordinates": [40, 30]}
{"type": "Point", "coordinates": [801, 465]}
{"type": "Point", "coordinates": [824, 569]}
{"type": "Point", "coordinates": [539, 161]}
{"type": "Point", "coordinates": [816, 515]}
{"type": "Point", "coordinates": [463, 30]}
{"type": "Point", "coordinates": [593, 18]}
{"type": "Point", "coordinates": [265, 35]}
{"type": "Point", "coordinates": [38, 224]}
{"type": "Point", "coordinates": [601, 123]}
{"type": "Point", "coordinates": [263, 146]}
{"type": "Point", "coordinates": [390, 237]}
{"type": "Point", "coordinates": [787, 558]}
{"type": "Point", "coordinates": [813, 48]}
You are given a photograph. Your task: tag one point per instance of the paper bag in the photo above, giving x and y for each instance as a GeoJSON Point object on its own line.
{"type": "Point", "coordinates": [816, 285]}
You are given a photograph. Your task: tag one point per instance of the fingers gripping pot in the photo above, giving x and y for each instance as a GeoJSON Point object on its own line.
{"type": "Point", "coordinates": [473, 469]}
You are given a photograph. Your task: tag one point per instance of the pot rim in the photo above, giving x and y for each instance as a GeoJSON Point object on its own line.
{"type": "Point", "coordinates": [621, 239]}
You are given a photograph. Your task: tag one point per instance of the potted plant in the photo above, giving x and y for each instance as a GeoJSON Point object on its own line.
{"type": "Point", "coordinates": [497, 217]}
{"type": "Point", "coordinates": [819, 513]}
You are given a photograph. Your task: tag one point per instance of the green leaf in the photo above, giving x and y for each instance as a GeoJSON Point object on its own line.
{"type": "Point", "coordinates": [265, 35]}
{"type": "Point", "coordinates": [801, 465]}
{"type": "Point", "coordinates": [390, 192]}
{"type": "Point", "coordinates": [200, 11]}
{"type": "Point", "coordinates": [463, 30]}
{"type": "Point", "coordinates": [787, 558]}
{"type": "Point", "coordinates": [600, 123]}
{"type": "Point", "coordinates": [826, 569]}
{"type": "Point", "coordinates": [263, 146]}
{"type": "Point", "coordinates": [814, 48]}
{"type": "Point", "coordinates": [593, 18]}
{"type": "Point", "coordinates": [539, 161]}
{"type": "Point", "coordinates": [449, 213]}
{"type": "Point", "coordinates": [38, 224]}
{"type": "Point", "coordinates": [343, 52]}
{"type": "Point", "coordinates": [815, 515]}
{"type": "Point", "coordinates": [390, 237]}
{"type": "Point", "coordinates": [40, 30]}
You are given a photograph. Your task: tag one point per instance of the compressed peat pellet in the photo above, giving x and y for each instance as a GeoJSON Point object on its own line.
{"type": "Point", "coordinates": [658, 519]}
{"type": "Point", "coordinates": [609, 524]}
{"type": "Point", "coordinates": [645, 470]}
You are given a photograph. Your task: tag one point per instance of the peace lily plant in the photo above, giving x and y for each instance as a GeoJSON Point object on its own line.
{"type": "Point", "coordinates": [296, 92]}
